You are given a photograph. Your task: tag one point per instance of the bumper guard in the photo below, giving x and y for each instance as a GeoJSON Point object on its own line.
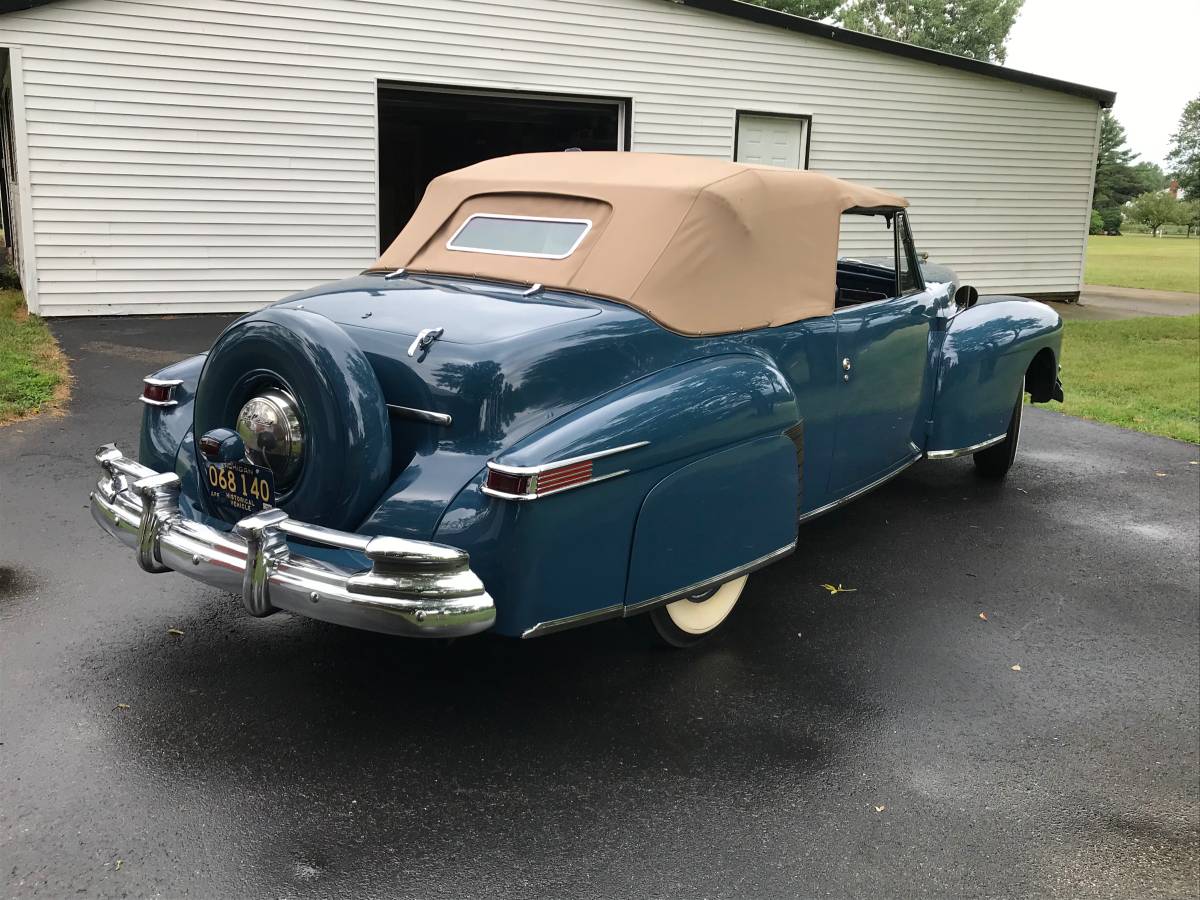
{"type": "Point", "coordinates": [413, 588]}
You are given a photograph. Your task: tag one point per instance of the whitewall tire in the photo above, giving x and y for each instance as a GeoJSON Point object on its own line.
{"type": "Point", "coordinates": [691, 619]}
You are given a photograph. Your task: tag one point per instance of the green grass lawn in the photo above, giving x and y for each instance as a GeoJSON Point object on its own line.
{"type": "Point", "coordinates": [1141, 261]}
{"type": "Point", "coordinates": [33, 372]}
{"type": "Point", "coordinates": [1142, 374]}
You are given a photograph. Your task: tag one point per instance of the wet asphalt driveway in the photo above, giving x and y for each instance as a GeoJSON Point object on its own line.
{"type": "Point", "coordinates": [876, 743]}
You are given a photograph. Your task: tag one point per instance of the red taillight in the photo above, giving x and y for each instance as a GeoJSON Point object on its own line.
{"type": "Point", "coordinates": [509, 484]}
{"type": "Point", "coordinates": [567, 476]}
{"type": "Point", "coordinates": [530, 485]}
{"type": "Point", "coordinates": [159, 392]}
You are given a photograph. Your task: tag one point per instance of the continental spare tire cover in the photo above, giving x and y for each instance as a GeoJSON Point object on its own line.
{"type": "Point", "coordinates": [347, 444]}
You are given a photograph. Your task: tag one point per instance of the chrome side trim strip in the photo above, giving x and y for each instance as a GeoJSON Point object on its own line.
{"type": "Point", "coordinates": [829, 507]}
{"type": "Point", "coordinates": [965, 451]}
{"type": "Point", "coordinates": [618, 610]}
{"type": "Point", "coordinates": [585, 618]}
{"type": "Point", "coordinates": [150, 402]}
{"type": "Point", "coordinates": [491, 492]}
{"type": "Point", "coordinates": [634, 608]}
{"type": "Point", "coordinates": [534, 470]}
{"type": "Point", "coordinates": [420, 415]}
{"type": "Point", "coordinates": [163, 382]}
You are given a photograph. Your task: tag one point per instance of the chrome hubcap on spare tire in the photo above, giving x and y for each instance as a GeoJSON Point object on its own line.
{"type": "Point", "coordinates": [269, 426]}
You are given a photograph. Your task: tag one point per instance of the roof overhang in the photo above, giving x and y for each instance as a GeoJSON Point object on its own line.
{"type": "Point", "coordinates": [753, 13]}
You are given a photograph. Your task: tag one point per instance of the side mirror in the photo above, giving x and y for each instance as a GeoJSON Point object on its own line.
{"type": "Point", "coordinates": [966, 297]}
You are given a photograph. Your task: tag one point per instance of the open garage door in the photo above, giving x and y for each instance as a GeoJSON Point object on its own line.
{"type": "Point", "coordinates": [425, 131]}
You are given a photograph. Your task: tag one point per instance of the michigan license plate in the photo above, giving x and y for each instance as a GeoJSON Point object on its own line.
{"type": "Point", "coordinates": [240, 486]}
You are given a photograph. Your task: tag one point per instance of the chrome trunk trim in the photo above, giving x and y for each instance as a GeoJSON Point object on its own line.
{"type": "Point", "coordinates": [965, 451]}
{"type": "Point", "coordinates": [411, 588]}
{"type": "Point", "coordinates": [420, 415]}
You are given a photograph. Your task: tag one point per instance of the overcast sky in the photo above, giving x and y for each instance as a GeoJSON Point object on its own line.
{"type": "Point", "coordinates": [1145, 51]}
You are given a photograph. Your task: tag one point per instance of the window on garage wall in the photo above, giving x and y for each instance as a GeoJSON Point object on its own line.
{"type": "Point", "coordinates": [772, 139]}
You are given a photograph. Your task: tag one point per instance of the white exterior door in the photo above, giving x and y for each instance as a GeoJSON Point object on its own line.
{"type": "Point", "coordinates": [772, 140]}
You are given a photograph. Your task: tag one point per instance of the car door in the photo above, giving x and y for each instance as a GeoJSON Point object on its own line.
{"type": "Point", "coordinates": [883, 352]}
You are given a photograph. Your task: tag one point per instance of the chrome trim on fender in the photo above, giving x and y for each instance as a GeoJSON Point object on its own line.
{"type": "Point", "coordinates": [420, 415]}
{"type": "Point", "coordinates": [662, 599]}
{"type": "Point", "coordinates": [965, 451]}
{"type": "Point", "coordinates": [829, 507]}
{"type": "Point", "coordinates": [621, 611]}
{"type": "Point", "coordinates": [412, 588]}
{"type": "Point", "coordinates": [535, 494]}
{"type": "Point", "coordinates": [534, 470]}
{"type": "Point", "coordinates": [585, 618]}
{"type": "Point", "coordinates": [501, 495]}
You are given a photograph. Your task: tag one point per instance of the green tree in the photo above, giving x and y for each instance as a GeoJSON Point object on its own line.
{"type": "Point", "coordinates": [1149, 177]}
{"type": "Point", "coordinates": [1154, 209]}
{"type": "Point", "coordinates": [1118, 178]}
{"type": "Point", "coordinates": [1113, 218]}
{"type": "Point", "coordinates": [976, 29]}
{"type": "Point", "coordinates": [1096, 225]}
{"type": "Point", "coordinates": [1184, 155]}
{"type": "Point", "coordinates": [809, 9]}
{"type": "Point", "coordinates": [1189, 215]}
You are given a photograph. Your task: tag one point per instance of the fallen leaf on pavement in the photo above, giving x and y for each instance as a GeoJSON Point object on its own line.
{"type": "Point", "coordinates": [1016, 668]}
{"type": "Point", "coordinates": [983, 616]}
{"type": "Point", "coordinates": [880, 808]}
{"type": "Point", "coordinates": [120, 706]}
{"type": "Point", "coordinates": [838, 589]}
{"type": "Point", "coordinates": [175, 631]}
{"type": "Point", "coordinates": [119, 863]}
{"type": "Point", "coordinates": [1160, 474]}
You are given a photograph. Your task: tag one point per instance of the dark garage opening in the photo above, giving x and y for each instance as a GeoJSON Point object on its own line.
{"type": "Point", "coordinates": [425, 132]}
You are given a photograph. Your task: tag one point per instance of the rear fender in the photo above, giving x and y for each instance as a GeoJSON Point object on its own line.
{"type": "Point", "coordinates": [165, 427]}
{"type": "Point", "coordinates": [568, 554]}
{"type": "Point", "coordinates": [985, 356]}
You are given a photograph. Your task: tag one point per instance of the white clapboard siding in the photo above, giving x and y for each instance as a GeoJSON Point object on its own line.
{"type": "Point", "coordinates": [205, 155]}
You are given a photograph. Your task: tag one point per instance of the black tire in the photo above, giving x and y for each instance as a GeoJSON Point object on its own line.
{"type": "Point", "coordinates": [996, 460]}
{"type": "Point", "coordinates": [664, 629]}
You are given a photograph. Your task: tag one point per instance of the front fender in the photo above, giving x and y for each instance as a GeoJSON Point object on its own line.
{"type": "Point", "coordinates": [984, 356]}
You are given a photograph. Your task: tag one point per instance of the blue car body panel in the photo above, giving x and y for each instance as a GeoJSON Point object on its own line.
{"type": "Point", "coordinates": [737, 436]}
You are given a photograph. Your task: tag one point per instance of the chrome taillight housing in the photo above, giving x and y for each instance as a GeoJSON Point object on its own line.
{"type": "Point", "coordinates": [531, 482]}
{"type": "Point", "coordinates": [160, 391]}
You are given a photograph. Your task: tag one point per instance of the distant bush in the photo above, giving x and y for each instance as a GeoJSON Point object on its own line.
{"type": "Point", "coordinates": [8, 276]}
{"type": "Point", "coordinates": [1096, 226]}
{"type": "Point", "coordinates": [1112, 219]}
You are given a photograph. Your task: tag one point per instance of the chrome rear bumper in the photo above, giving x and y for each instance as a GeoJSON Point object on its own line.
{"type": "Point", "coordinates": [413, 588]}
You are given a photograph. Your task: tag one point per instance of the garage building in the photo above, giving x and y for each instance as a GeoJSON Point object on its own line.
{"type": "Point", "coordinates": [180, 156]}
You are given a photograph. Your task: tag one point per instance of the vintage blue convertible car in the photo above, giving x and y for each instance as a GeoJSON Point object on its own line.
{"type": "Point", "coordinates": [577, 386]}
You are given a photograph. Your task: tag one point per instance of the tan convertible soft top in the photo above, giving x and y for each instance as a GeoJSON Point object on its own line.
{"type": "Point", "coordinates": [702, 246]}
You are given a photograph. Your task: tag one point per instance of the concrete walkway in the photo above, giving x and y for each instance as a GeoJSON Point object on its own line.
{"type": "Point", "coordinates": [1098, 302]}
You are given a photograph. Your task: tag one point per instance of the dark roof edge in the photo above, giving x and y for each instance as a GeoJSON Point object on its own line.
{"type": "Point", "coordinates": [760, 14]}
{"type": "Point", "coordinates": [7, 6]}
